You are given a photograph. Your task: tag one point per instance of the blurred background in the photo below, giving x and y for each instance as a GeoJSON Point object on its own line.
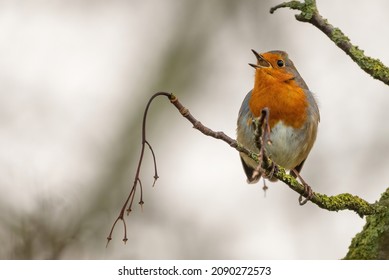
{"type": "Point", "coordinates": [75, 76]}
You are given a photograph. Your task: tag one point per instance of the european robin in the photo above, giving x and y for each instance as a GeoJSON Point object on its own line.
{"type": "Point", "coordinates": [292, 116]}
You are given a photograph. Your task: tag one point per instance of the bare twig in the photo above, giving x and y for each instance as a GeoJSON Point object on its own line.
{"type": "Point", "coordinates": [137, 180]}
{"type": "Point", "coordinates": [310, 13]}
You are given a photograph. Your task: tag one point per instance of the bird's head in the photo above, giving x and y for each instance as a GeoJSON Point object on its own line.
{"type": "Point", "coordinates": [275, 64]}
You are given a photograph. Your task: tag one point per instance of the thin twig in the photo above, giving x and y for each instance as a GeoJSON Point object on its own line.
{"type": "Point", "coordinates": [137, 180]}
{"type": "Point", "coordinates": [155, 163]}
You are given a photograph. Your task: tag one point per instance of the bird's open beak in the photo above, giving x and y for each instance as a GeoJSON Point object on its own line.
{"type": "Point", "coordinates": [261, 61]}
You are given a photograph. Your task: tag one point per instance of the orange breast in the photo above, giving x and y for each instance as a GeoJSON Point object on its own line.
{"type": "Point", "coordinates": [285, 99]}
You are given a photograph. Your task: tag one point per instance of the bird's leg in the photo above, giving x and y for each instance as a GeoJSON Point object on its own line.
{"type": "Point", "coordinates": [308, 193]}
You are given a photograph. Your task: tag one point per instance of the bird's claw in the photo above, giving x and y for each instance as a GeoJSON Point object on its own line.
{"type": "Point", "coordinates": [308, 193]}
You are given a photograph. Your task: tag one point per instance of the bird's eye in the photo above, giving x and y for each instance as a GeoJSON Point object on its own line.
{"type": "Point", "coordinates": [280, 63]}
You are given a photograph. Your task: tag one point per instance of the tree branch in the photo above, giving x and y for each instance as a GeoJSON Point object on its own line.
{"type": "Point", "coordinates": [309, 13]}
{"type": "Point", "coordinates": [372, 242]}
{"type": "Point", "coordinates": [332, 203]}
{"type": "Point", "coordinates": [130, 198]}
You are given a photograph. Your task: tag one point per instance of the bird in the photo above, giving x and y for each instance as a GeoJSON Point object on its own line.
{"type": "Point", "coordinates": [292, 117]}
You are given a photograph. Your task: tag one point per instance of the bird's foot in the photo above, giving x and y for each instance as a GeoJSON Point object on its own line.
{"type": "Point", "coordinates": [308, 193]}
